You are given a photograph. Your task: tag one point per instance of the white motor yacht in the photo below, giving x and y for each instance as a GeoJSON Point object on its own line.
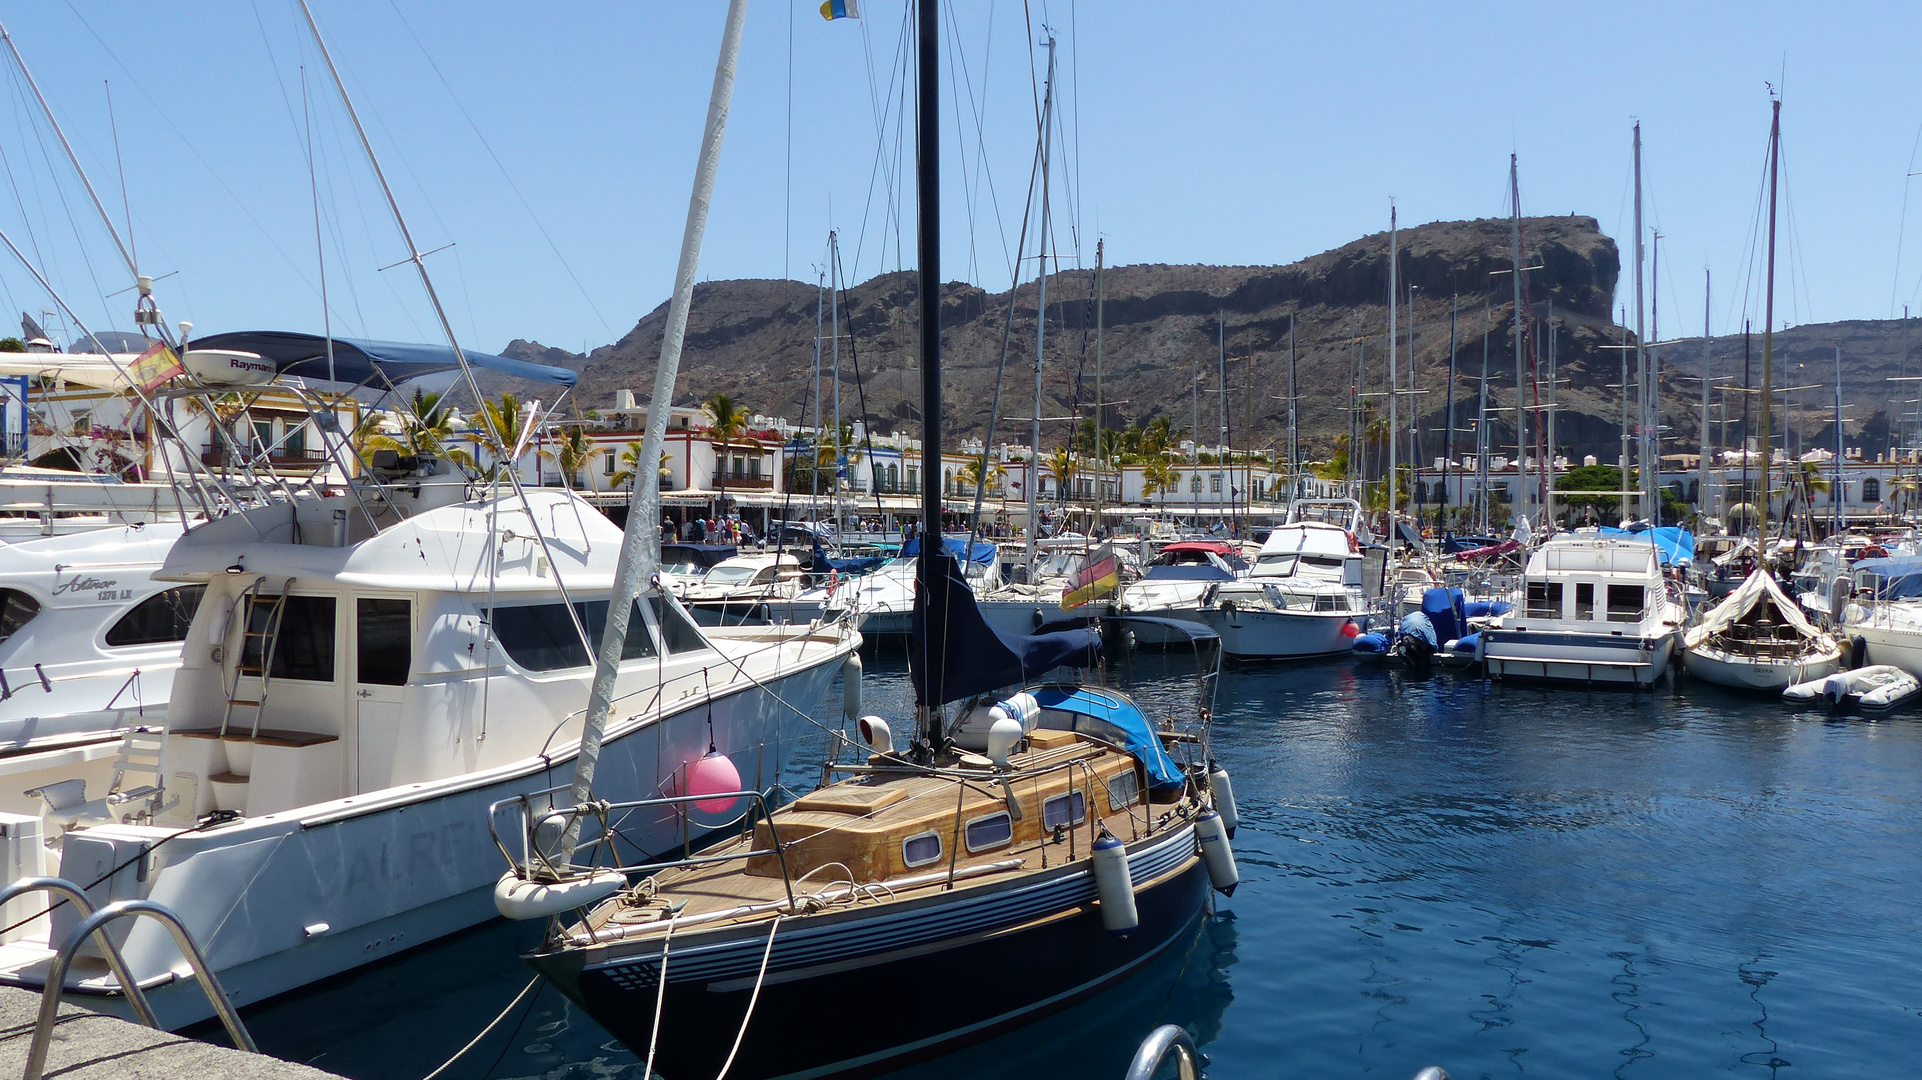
{"type": "Point", "coordinates": [89, 643]}
{"type": "Point", "coordinates": [1885, 613]}
{"type": "Point", "coordinates": [1300, 599]}
{"type": "Point", "coordinates": [365, 675]}
{"type": "Point", "coordinates": [1594, 610]}
{"type": "Point", "coordinates": [1176, 584]}
{"type": "Point", "coordinates": [745, 588]}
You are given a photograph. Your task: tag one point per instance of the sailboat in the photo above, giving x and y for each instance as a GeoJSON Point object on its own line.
{"type": "Point", "coordinates": [1759, 639]}
{"type": "Point", "coordinates": [1021, 853]}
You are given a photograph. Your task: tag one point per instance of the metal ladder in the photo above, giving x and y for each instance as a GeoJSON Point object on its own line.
{"type": "Point", "coordinates": [251, 598]}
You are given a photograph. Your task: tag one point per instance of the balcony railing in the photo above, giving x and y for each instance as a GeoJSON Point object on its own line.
{"type": "Point", "coordinates": [280, 458]}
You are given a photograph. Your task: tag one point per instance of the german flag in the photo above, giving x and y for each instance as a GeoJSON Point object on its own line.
{"type": "Point", "coordinates": [1099, 576]}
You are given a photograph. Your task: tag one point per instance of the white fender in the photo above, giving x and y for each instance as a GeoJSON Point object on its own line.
{"type": "Point", "coordinates": [1113, 885]}
{"type": "Point", "coordinates": [1222, 791]}
{"type": "Point", "coordinates": [851, 686]}
{"type": "Point", "coordinates": [1216, 853]}
{"type": "Point", "coordinates": [518, 898]}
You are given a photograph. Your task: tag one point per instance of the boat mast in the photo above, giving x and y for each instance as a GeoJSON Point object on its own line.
{"type": "Point", "coordinates": [1708, 359]}
{"type": "Point", "coordinates": [1768, 315]}
{"type": "Point", "coordinates": [1294, 455]}
{"type": "Point", "coordinates": [1654, 375]}
{"type": "Point", "coordinates": [1483, 443]}
{"type": "Point", "coordinates": [1394, 428]}
{"type": "Point", "coordinates": [1547, 421]}
{"type": "Point", "coordinates": [1448, 439]}
{"type": "Point", "coordinates": [640, 548]}
{"type": "Point", "coordinates": [834, 316]}
{"type": "Point", "coordinates": [1641, 351]}
{"type": "Point", "coordinates": [1100, 447]}
{"type": "Point", "coordinates": [1521, 339]}
{"type": "Point", "coordinates": [1040, 329]}
{"type": "Point", "coordinates": [1835, 485]}
{"type": "Point", "coordinates": [928, 240]}
{"type": "Point", "coordinates": [1224, 458]}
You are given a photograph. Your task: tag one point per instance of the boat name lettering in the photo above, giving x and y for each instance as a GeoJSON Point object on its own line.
{"type": "Point", "coordinates": [107, 588]}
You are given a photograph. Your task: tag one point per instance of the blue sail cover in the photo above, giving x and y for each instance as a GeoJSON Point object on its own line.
{"type": "Point", "coordinates": [1124, 723]}
{"type": "Point", "coordinates": [846, 566]}
{"type": "Point", "coordinates": [953, 653]}
{"type": "Point", "coordinates": [358, 361]}
{"type": "Point", "coordinates": [1674, 545]}
{"type": "Point", "coordinates": [981, 554]}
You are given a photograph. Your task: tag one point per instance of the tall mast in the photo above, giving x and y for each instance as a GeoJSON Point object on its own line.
{"type": "Point", "coordinates": [1100, 447]}
{"type": "Point", "coordinates": [834, 315]}
{"type": "Point", "coordinates": [1547, 422]}
{"type": "Point", "coordinates": [927, 138]}
{"type": "Point", "coordinates": [1654, 469]}
{"type": "Point", "coordinates": [1294, 459]}
{"type": "Point", "coordinates": [1221, 407]}
{"type": "Point", "coordinates": [814, 481]}
{"type": "Point", "coordinates": [1521, 337]}
{"type": "Point", "coordinates": [1483, 444]}
{"type": "Point", "coordinates": [1448, 448]}
{"type": "Point", "coordinates": [1394, 426]}
{"type": "Point", "coordinates": [1040, 326]}
{"type": "Point", "coordinates": [1747, 392]}
{"type": "Point", "coordinates": [1835, 485]}
{"type": "Point", "coordinates": [1194, 436]}
{"type": "Point", "coordinates": [1641, 351]}
{"type": "Point", "coordinates": [1708, 359]}
{"type": "Point", "coordinates": [1768, 315]}
{"type": "Point", "coordinates": [1626, 459]}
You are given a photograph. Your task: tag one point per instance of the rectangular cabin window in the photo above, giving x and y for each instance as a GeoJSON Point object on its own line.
{"type": "Point", "coordinates": [160, 618]}
{"type": "Point", "coordinates": [383, 640]}
{"type": "Point", "coordinates": [1624, 603]}
{"type": "Point", "coordinates": [676, 630]}
{"type": "Point", "coordinates": [1585, 601]}
{"type": "Point", "coordinates": [16, 610]}
{"type": "Point", "coordinates": [1069, 809]}
{"type": "Point", "coordinates": [921, 849]}
{"type": "Point", "coordinates": [993, 831]}
{"type": "Point", "coordinates": [541, 637]}
{"type": "Point", "coordinates": [1544, 600]}
{"type": "Point", "coordinates": [1123, 791]}
{"type": "Point", "coordinates": [305, 646]}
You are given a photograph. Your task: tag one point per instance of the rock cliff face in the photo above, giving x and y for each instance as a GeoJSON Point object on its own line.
{"type": "Point", "coordinates": [755, 340]}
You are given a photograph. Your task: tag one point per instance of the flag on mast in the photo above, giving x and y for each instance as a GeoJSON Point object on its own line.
{"type": "Point", "coordinates": [840, 9]}
{"type": "Point", "coordinates": [1099, 576]}
{"type": "Point", "coordinates": [155, 366]}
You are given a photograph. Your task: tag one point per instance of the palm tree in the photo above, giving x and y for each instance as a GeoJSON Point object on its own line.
{"type": "Point", "coordinates": [1060, 467]}
{"type": "Point", "coordinates": [982, 473]}
{"type": "Point", "coordinates": [727, 421]}
{"type": "Point", "coordinates": [504, 420]}
{"type": "Point", "coordinates": [426, 430]}
{"type": "Point", "coordinates": [572, 452]}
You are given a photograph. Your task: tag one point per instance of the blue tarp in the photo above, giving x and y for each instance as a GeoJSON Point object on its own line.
{"type": "Point", "coordinates": [1890, 567]}
{"type": "Point", "coordinates": [1188, 572]}
{"type": "Point", "coordinates": [358, 361]}
{"type": "Point", "coordinates": [1674, 544]}
{"type": "Point", "coordinates": [1897, 578]}
{"type": "Point", "coordinates": [1446, 616]}
{"type": "Point", "coordinates": [953, 653]}
{"type": "Point", "coordinates": [1106, 707]}
{"type": "Point", "coordinates": [705, 556]}
{"type": "Point", "coordinates": [983, 552]}
{"type": "Point", "coordinates": [1415, 624]}
{"type": "Point", "coordinates": [847, 566]}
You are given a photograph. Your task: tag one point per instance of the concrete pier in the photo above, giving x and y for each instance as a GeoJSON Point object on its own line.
{"type": "Point", "coordinates": [89, 1046]}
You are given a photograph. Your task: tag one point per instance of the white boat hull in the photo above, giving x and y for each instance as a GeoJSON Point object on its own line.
{"type": "Point", "coordinates": [1577, 658]}
{"type": "Point", "coordinates": [1754, 673]}
{"type": "Point", "coordinates": [280, 901]}
{"type": "Point", "coordinates": [1277, 635]}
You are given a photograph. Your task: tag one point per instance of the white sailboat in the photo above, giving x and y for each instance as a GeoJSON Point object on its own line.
{"type": "Point", "coordinates": [1758, 639]}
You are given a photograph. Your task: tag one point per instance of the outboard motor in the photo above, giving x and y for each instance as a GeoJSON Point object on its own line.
{"type": "Point", "coordinates": [1417, 641]}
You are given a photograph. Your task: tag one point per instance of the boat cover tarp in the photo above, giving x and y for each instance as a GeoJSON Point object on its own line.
{"type": "Point", "coordinates": [1197, 633]}
{"type": "Point", "coordinates": [953, 653]}
{"type": "Point", "coordinates": [1125, 718]}
{"type": "Point", "coordinates": [1894, 578]}
{"type": "Point", "coordinates": [1757, 588]}
{"type": "Point", "coordinates": [1674, 545]}
{"type": "Point", "coordinates": [1745, 547]}
{"type": "Point", "coordinates": [1416, 624]}
{"type": "Point", "coordinates": [359, 361]}
{"type": "Point", "coordinates": [1187, 572]}
{"type": "Point", "coordinates": [1444, 608]}
{"type": "Point", "coordinates": [1454, 545]}
{"type": "Point", "coordinates": [822, 561]}
{"type": "Point", "coordinates": [706, 556]}
{"type": "Point", "coordinates": [982, 553]}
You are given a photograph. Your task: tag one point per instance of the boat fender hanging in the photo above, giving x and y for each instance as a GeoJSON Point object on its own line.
{"type": "Point", "coordinates": [1222, 791]}
{"type": "Point", "coordinates": [1216, 852]}
{"type": "Point", "coordinates": [712, 774]}
{"type": "Point", "coordinates": [1113, 886]}
{"type": "Point", "coordinates": [851, 686]}
{"type": "Point", "coordinates": [1858, 651]}
{"type": "Point", "coordinates": [518, 898]}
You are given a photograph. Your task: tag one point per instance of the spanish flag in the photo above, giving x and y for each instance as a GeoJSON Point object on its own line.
{"type": "Point", "coordinates": [840, 9]}
{"type": "Point", "coordinates": [1099, 576]}
{"type": "Point", "coordinates": [155, 366]}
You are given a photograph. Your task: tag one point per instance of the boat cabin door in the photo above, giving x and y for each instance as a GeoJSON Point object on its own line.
{"type": "Point", "coordinates": [383, 654]}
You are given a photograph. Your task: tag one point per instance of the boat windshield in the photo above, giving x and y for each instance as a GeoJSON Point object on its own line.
{"type": "Point", "coordinates": [731, 575]}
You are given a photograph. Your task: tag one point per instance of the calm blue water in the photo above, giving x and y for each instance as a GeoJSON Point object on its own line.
{"type": "Point", "coordinates": [1498, 880]}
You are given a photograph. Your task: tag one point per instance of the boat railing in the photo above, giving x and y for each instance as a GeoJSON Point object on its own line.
{"type": "Point", "coordinates": [541, 826]}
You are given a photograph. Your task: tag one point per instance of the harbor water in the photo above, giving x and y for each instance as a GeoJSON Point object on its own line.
{"type": "Point", "coordinates": [1496, 879]}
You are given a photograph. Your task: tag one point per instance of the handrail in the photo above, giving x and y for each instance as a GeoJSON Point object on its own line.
{"type": "Point", "coordinates": [1166, 1039]}
{"type": "Point", "coordinates": [78, 898]}
{"type": "Point", "coordinates": [91, 925]}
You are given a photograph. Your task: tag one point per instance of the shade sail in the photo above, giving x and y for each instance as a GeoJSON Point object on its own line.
{"type": "Point", "coordinates": [359, 361]}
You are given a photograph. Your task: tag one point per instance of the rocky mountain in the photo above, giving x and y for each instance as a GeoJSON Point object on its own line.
{"type": "Point", "coordinates": [1164, 325]}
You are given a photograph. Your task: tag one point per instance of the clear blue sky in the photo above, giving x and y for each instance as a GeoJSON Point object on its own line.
{"type": "Point", "coordinates": [1218, 133]}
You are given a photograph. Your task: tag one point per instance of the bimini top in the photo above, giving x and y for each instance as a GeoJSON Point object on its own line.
{"type": "Point", "coordinates": [1107, 715]}
{"type": "Point", "coordinates": [1674, 545]}
{"type": "Point", "coordinates": [981, 553]}
{"type": "Point", "coordinates": [359, 361]}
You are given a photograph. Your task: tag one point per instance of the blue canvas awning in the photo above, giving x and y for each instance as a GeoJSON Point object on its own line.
{"type": "Point", "coordinates": [1674, 545]}
{"type": "Point", "coordinates": [1097, 709]}
{"type": "Point", "coordinates": [981, 554]}
{"type": "Point", "coordinates": [358, 361]}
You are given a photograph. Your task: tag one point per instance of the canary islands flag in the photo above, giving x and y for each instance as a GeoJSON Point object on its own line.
{"type": "Point", "coordinates": [1098, 577]}
{"type": "Point", "coordinates": [840, 9]}
{"type": "Point", "coordinates": [155, 366]}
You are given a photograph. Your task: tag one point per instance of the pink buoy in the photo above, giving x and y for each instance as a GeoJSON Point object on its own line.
{"type": "Point", "coordinates": [710, 775]}
{"type": "Point", "coordinates": [1350, 630]}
